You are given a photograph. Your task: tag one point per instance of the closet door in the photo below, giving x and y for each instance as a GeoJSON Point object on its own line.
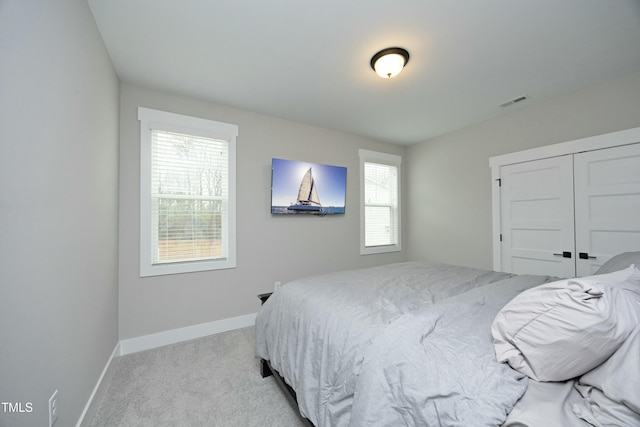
{"type": "Point", "coordinates": [536, 215]}
{"type": "Point", "coordinates": [607, 205]}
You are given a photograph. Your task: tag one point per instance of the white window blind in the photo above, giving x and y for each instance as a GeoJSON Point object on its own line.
{"type": "Point", "coordinates": [381, 204]}
{"type": "Point", "coordinates": [380, 195]}
{"type": "Point", "coordinates": [187, 187]}
{"type": "Point", "coordinates": [189, 181]}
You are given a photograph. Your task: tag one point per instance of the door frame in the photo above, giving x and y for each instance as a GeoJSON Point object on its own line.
{"type": "Point", "coordinates": [598, 142]}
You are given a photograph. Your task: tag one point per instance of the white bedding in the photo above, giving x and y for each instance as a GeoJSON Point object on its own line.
{"type": "Point", "coordinates": [546, 404]}
{"type": "Point", "coordinates": [329, 337]}
{"type": "Point", "coordinates": [410, 344]}
{"type": "Point", "coordinates": [437, 367]}
{"type": "Point", "coordinates": [608, 395]}
{"type": "Point", "coordinates": [561, 330]}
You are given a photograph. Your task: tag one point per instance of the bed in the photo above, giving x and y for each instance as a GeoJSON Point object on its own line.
{"type": "Point", "coordinates": [430, 344]}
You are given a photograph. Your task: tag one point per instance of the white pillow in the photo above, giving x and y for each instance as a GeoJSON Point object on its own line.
{"type": "Point", "coordinates": [611, 392]}
{"type": "Point", "coordinates": [560, 330]}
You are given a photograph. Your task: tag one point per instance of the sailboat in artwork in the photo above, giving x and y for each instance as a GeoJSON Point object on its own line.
{"type": "Point", "coordinates": [308, 200]}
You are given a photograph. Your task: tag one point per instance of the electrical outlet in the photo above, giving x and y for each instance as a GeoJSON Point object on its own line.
{"type": "Point", "coordinates": [276, 286]}
{"type": "Point", "coordinates": [53, 408]}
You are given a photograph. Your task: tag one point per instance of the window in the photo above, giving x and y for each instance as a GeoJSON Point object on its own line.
{"type": "Point", "coordinates": [380, 202]}
{"type": "Point", "coordinates": [187, 193]}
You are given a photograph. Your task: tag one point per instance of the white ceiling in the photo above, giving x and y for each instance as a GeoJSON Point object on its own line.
{"type": "Point", "coordinates": [308, 61]}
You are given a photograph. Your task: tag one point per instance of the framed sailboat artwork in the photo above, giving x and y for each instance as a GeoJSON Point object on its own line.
{"type": "Point", "coordinates": [307, 188]}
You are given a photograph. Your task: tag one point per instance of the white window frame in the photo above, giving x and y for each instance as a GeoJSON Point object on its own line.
{"type": "Point", "coordinates": [368, 156]}
{"type": "Point", "coordinates": [161, 120]}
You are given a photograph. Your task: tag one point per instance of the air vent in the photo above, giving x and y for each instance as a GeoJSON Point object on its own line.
{"type": "Point", "coordinates": [514, 101]}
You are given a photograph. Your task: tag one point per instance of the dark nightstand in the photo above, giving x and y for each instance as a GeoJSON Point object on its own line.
{"type": "Point", "coordinates": [264, 297]}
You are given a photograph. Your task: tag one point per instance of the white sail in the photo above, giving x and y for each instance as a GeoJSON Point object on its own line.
{"type": "Point", "coordinates": [313, 197]}
{"type": "Point", "coordinates": [307, 195]}
{"type": "Point", "coordinates": [308, 192]}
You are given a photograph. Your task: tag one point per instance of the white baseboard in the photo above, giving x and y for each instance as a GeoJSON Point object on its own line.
{"type": "Point", "coordinates": [89, 408]}
{"type": "Point", "coordinates": [147, 342]}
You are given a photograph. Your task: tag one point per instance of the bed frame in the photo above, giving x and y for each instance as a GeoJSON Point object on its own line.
{"type": "Point", "coordinates": [266, 371]}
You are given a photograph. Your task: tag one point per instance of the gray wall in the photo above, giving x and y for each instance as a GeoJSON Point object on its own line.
{"type": "Point", "coordinates": [58, 208]}
{"type": "Point", "coordinates": [448, 201]}
{"type": "Point", "coordinates": [270, 248]}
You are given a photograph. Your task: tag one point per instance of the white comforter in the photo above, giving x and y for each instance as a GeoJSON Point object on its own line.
{"type": "Point", "coordinates": [404, 344]}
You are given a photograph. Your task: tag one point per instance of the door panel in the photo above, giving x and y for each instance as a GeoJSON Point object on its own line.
{"type": "Point", "coordinates": [607, 204]}
{"type": "Point", "coordinates": [536, 208]}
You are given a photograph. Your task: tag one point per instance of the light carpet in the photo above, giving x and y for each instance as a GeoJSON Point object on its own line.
{"type": "Point", "coordinates": [210, 381]}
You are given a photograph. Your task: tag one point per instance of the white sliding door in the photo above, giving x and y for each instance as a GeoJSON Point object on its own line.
{"type": "Point", "coordinates": [536, 213]}
{"type": "Point", "coordinates": [607, 205]}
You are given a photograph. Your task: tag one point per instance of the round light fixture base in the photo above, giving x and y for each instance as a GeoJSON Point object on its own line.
{"type": "Point", "coordinates": [390, 61]}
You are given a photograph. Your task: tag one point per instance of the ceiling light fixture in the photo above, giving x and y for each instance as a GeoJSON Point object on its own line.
{"type": "Point", "coordinates": [389, 62]}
